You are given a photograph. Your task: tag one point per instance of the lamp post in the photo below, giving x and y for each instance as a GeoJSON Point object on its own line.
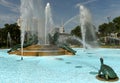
{"type": "Point", "coordinates": [109, 19]}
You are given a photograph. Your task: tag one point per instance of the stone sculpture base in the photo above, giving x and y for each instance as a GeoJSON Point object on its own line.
{"type": "Point", "coordinates": [41, 50]}
{"type": "Point", "coordinates": [110, 80]}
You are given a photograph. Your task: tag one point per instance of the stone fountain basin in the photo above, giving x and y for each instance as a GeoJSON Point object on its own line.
{"type": "Point", "coordinates": [42, 50]}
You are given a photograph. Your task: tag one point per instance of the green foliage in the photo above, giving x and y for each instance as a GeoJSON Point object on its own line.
{"type": "Point", "coordinates": [116, 22]}
{"type": "Point", "coordinates": [14, 31]}
{"type": "Point", "coordinates": [111, 27]}
{"type": "Point", "coordinates": [76, 31]}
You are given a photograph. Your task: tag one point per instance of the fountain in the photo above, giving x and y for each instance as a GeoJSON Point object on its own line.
{"type": "Point", "coordinates": [9, 40]}
{"type": "Point", "coordinates": [87, 29]}
{"type": "Point", "coordinates": [32, 16]}
{"type": "Point", "coordinates": [89, 39]}
{"type": "Point", "coordinates": [37, 36]}
{"type": "Point", "coordinates": [49, 68]}
{"type": "Point", "coordinates": [48, 22]}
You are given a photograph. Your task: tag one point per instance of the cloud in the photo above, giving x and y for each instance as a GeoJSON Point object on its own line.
{"type": "Point", "coordinates": [89, 1]}
{"type": "Point", "coordinates": [114, 5]}
{"type": "Point", "coordinates": [13, 7]}
{"type": "Point", "coordinates": [86, 2]}
{"type": "Point", "coordinates": [10, 17]}
{"type": "Point", "coordinates": [113, 11]}
{"type": "Point", "coordinates": [7, 18]}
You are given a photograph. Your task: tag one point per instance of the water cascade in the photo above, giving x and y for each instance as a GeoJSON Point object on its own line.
{"type": "Point", "coordinates": [87, 29]}
{"type": "Point", "coordinates": [32, 20]}
{"type": "Point", "coordinates": [9, 40]}
{"type": "Point", "coordinates": [38, 37]}
{"type": "Point", "coordinates": [49, 25]}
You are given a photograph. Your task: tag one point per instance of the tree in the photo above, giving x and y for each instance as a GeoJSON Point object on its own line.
{"type": "Point", "coordinates": [116, 22]}
{"type": "Point", "coordinates": [111, 27]}
{"type": "Point", "coordinates": [76, 31]}
{"type": "Point", "coordinates": [14, 31]}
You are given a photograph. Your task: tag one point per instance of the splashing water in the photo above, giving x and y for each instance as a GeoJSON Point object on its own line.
{"type": "Point", "coordinates": [35, 20]}
{"type": "Point", "coordinates": [9, 40]}
{"type": "Point", "coordinates": [87, 29]}
{"type": "Point", "coordinates": [48, 22]}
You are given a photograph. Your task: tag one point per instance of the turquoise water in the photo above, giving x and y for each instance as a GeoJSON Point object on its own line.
{"type": "Point", "coordinates": [81, 68]}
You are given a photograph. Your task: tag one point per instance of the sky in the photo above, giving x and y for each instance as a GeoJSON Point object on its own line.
{"type": "Point", "coordinates": [64, 10]}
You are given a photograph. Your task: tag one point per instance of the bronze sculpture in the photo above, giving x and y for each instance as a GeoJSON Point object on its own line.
{"type": "Point", "coordinates": [106, 72]}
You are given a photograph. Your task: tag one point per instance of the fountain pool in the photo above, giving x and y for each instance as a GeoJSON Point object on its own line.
{"type": "Point", "coordinates": [81, 68]}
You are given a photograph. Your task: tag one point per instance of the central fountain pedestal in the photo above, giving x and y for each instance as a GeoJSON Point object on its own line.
{"type": "Point", "coordinates": [42, 50]}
